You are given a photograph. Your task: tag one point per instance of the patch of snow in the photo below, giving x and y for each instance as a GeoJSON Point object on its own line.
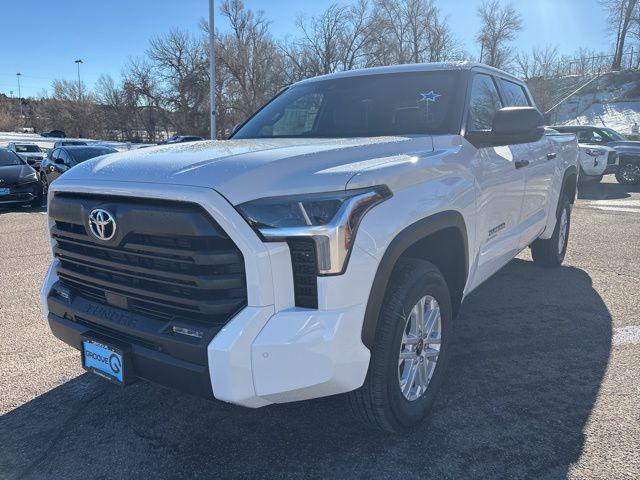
{"type": "Point", "coordinates": [626, 335]}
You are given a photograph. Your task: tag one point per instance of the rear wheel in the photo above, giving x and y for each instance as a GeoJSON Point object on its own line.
{"type": "Point", "coordinates": [410, 349]}
{"type": "Point", "coordinates": [551, 252]}
{"type": "Point", "coordinates": [629, 174]}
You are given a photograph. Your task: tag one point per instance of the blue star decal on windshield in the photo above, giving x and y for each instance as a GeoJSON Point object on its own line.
{"type": "Point", "coordinates": [430, 97]}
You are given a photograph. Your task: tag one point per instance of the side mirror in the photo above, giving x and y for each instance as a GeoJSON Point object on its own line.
{"type": "Point", "coordinates": [511, 125]}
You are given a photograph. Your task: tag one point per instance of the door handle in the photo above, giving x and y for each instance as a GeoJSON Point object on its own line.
{"type": "Point", "coordinates": [551, 156]}
{"type": "Point", "coordinates": [521, 163]}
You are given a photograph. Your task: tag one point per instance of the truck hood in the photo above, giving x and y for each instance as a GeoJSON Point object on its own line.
{"type": "Point", "coordinates": [243, 170]}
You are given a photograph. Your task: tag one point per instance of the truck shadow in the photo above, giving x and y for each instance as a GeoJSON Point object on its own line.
{"type": "Point", "coordinates": [530, 350]}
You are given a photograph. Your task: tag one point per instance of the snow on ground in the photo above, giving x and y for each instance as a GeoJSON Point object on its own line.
{"type": "Point", "coordinates": [618, 115]}
{"type": "Point", "coordinates": [44, 142]}
{"type": "Point", "coordinates": [610, 100]}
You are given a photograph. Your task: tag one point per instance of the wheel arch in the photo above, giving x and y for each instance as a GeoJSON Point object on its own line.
{"type": "Point", "coordinates": [431, 239]}
{"type": "Point", "coordinates": [569, 187]}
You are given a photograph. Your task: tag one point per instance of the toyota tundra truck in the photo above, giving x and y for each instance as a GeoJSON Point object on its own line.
{"type": "Point", "coordinates": [325, 248]}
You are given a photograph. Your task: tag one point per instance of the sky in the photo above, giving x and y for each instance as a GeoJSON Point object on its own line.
{"type": "Point", "coordinates": [42, 38]}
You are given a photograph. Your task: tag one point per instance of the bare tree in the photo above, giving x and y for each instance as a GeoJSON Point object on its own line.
{"type": "Point", "coordinates": [410, 31]}
{"type": "Point", "coordinates": [545, 61]}
{"type": "Point", "coordinates": [336, 40]}
{"type": "Point", "coordinates": [620, 17]}
{"type": "Point", "coordinates": [499, 27]}
{"type": "Point", "coordinates": [441, 43]}
{"type": "Point", "coordinates": [250, 56]}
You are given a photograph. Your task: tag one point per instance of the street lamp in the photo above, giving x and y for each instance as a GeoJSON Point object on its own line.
{"type": "Point", "coordinates": [212, 70]}
{"type": "Point", "coordinates": [78, 62]}
{"type": "Point", "coordinates": [19, 92]}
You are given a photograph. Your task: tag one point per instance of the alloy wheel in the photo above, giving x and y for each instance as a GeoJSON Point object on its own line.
{"type": "Point", "coordinates": [420, 348]}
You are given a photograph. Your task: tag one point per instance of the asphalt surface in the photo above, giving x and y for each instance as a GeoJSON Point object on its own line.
{"type": "Point", "coordinates": [544, 382]}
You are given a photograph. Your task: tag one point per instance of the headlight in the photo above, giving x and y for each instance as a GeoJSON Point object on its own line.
{"type": "Point", "coordinates": [594, 152]}
{"type": "Point", "coordinates": [330, 219]}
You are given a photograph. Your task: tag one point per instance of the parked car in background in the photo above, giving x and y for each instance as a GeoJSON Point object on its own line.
{"type": "Point", "coordinates": [595, 162]}
{"type": "Point", "coordinates": [18, 181]}
{"type": "Point", "coordinates": [62, 159]}
{"type": "Point", "coordinates": [54, 134]}
{"type": "Point", "coordinates": [325, 249]}
{"type": "Point", "coordinates": [181, 139]}
{"type": "Point", "coordinates": [30, 152]}
{"type": "Point", "coordinates": [628, 170]}
{"type": "Point", "coordinates": [68, 143]}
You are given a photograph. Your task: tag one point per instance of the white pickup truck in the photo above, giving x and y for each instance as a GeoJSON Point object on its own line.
{"type": "Point", "coordinates": [325, 248]}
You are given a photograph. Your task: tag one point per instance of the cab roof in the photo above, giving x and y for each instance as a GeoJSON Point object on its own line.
{"type": "Point", "coordinates": [413, 67]}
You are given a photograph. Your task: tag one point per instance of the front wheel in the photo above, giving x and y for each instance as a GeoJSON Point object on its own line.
{"type": "Point", "coordinates": [629, 174]}
{"type": "Point", "coordinates": [410, 349]}
{"type": "Point", "coordinates": [551, 252]}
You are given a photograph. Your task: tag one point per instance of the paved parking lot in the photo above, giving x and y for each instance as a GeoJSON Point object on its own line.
{"type": "Point", "coordinates": [544, 382]}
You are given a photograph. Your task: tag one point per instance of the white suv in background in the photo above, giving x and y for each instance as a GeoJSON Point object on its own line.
{"type": "Point", "coordinates": [29, 152]}
{"type": "Point", "coordinates": [325, 248]}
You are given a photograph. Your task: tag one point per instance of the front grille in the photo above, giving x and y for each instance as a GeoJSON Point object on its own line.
{"type": "Point", "coordinates": [168, 260]}
{"type": "Point", "coordinates": [611, 159]}
{"type": "Point", "coordinates": [305, 271]}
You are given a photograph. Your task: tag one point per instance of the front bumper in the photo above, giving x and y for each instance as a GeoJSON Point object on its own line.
{"type": "Point", "coordinates": [148, 363]}
{"type": "Point", "coordinates": [269, 352]}
{"type": "Point", "coordinates": [22, 193]}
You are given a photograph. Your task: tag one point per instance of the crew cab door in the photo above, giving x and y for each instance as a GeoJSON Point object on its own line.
{"type": "Point", "coordinates": [500, 185]}
{"type": "Point", "coordinates": [536, 160]}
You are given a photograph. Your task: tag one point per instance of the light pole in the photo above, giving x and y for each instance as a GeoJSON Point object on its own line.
{"type": "Point", "coordinates": [212, 70]}
{"type": "Point", "coordinates": [78, 62]}
{"type": "Point", "coordinates": [19, 92]}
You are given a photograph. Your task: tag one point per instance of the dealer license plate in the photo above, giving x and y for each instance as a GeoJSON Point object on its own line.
{"type": "Point", "coordinates": [103, 360]}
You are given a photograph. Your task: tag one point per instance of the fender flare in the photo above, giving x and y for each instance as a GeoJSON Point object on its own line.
{"type": "Point", "coordinates": [401, 242]}
{"type": "Point", "coordinates": [572, 170]}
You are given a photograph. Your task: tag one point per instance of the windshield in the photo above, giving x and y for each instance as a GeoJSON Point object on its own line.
{"type": "Point", "coordinates": [27, 149]}
{"type": "Point", "coordinates": [362, 106]}
{"type": "Point", "coordinates": [82, 154]}
{"type": "Point", "coordinates": [614, 135]}
{"type": "Point", "coordinates": [8, 159]}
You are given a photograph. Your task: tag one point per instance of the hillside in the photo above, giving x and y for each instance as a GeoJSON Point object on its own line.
{"type": "Point", "coordinates": [610, 100]}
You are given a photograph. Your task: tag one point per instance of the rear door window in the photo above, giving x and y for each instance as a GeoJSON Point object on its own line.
{"type": "Point", "coordinates": [514, 94]}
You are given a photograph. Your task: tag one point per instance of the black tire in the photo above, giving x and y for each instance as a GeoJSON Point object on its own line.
{"type": "Point", "coordinates": [628, 174]}
{"type": "Point", "coordinates": [36, 202]}
{"type": "Point", "coordinates": [547, 253]}
{"type": "Point", "coordinates": [591, 179]}
{"type": "Point", "coordinates": [380, 402]}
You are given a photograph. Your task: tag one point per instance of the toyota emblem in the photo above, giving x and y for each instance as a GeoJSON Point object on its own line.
{"type": "Point", "coordinates": [102, 224]}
